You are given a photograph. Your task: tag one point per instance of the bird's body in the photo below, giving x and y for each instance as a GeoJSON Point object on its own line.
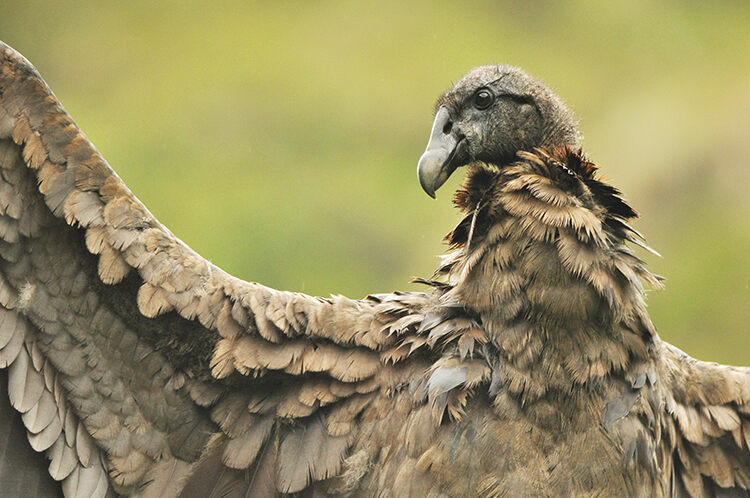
{"type": "Point", "coordinates": [530, 368]}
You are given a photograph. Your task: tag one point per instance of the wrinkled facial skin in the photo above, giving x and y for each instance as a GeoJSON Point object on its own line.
{"type": "Point", "coordinates": [494, 134]}
{"type": "Point", "coordinates": [489, 115]}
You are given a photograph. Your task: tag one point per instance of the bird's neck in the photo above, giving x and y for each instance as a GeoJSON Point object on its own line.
{"type": "Point", "coordinates": [542, 259]}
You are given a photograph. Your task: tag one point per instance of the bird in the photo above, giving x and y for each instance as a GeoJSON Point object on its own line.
{"type": "Point", "coordinates": [527, 367]}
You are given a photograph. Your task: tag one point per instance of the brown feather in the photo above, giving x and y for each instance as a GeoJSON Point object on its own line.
{"type": "Point", "coordinates": [530, 367]}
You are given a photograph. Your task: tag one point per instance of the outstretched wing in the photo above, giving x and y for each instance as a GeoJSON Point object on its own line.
{"type": "Point", "coordinates": [709, 428]}
{"type": "Point", "coordinates": [136, 364]}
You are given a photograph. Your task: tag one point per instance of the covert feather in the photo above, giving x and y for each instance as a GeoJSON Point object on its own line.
{"type": "Point", "coordinates": [529, 367]}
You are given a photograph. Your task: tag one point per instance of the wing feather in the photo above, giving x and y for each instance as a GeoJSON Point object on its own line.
{"type": "Point", "coordinates": [710, 413]}
{"type": "Point", "coordinates": [135, 361]}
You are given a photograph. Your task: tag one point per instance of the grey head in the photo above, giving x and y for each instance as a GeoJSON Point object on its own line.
{"type": "Point", "coordinates": [489, 115]}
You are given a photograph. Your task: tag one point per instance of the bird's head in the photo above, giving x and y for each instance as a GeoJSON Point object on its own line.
{"type": "Point", "coordinates": [489, 115]}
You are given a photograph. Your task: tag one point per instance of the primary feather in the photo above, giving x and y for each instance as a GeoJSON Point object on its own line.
{"type": "Point", "coordinates": [531, 367]}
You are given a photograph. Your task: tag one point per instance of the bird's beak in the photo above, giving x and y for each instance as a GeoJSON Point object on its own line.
{"type": "Point", "coordinates": [440, 159]}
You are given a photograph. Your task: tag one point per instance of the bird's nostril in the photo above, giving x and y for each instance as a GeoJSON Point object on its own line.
{"type": "Point", "coordinates": [448, 127]}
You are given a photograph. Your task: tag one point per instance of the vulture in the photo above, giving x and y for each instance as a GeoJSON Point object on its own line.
{"type": "Point", "coordinates": [529, 367]}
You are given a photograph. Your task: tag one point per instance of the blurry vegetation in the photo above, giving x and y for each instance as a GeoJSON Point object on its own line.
{"type": "Point", "coordinates": [280, 139]}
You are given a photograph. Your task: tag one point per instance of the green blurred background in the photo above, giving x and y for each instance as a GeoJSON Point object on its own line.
{"type": "Point", "coordinates": [280, 139]}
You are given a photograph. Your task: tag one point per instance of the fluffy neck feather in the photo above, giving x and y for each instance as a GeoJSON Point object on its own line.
{"type": "Point", "coordinates": [542, 257]}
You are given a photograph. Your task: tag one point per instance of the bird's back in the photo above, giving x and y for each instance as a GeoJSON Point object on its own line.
{"type": "Point", "coordinates": [490, 453]}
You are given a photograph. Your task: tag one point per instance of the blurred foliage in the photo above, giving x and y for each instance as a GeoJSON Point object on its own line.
{"type": "Point", "coordinates": [279, 139]}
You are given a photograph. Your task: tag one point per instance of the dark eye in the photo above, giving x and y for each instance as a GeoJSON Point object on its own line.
{"type": "Point", "coordinates": [483, 98]}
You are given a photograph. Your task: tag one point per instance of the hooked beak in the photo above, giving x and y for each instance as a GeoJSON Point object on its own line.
{"type": "Point", "coordinates": [440, 158]}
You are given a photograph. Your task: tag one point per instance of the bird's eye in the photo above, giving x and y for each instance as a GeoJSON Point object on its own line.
{"type": "Point", "coordinates": [483, 98]}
